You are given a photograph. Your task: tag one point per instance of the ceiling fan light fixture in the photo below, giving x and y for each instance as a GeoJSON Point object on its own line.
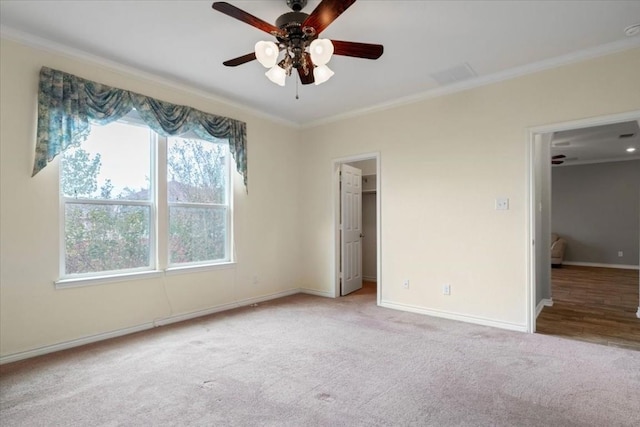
{"type": "Point", "coordinates": [631, 149]}
{"type": "Point", "coordinates": [321, 51]}
{"type": "Point", "coordinates": [297, 37]}
{"type": "Point", "coordinates": [321, 74]}
{"type": "Point", "coordinates": [277, 75]}
{"type": "Point", "coordinates": [267, 53]}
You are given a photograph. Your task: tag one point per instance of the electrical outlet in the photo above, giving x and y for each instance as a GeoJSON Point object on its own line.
{"type": "Point", "coordinates": [406, 284]}
{"type": "Point", "coordinates": [446, 289]}
{"type": "Point", "coordinates": [620, 254]}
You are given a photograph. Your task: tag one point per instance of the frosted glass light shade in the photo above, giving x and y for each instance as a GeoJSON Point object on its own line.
{"type": "Point", "coordinates": [321, 74]}
{"type": "Point", "coordinates": [321, 51]}
{"type": "Point", "coordinates": [267, 53]}
{"type": "Point", "coordinates": [277, 75]}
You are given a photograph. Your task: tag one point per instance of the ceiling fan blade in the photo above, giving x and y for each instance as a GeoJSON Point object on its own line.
{"type": "Point", "coordinates": [557, 162]}
{"type": "Point", "coordinates": [247, 18]}
{"type": "Point", "coordinates": [559, 156]}
{"type": "Point", "coordinates": [240, 60]}
{"type": "Point", "coordinates": [358, 50]}
{"type": "Point", "coordinates": [306, 79]}
{"type": "Point", "coordinates": [325, 13]}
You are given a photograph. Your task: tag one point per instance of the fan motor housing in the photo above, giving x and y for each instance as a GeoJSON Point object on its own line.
{"type": "Point", "coordinates": [291, 19]}
{"type": "Point", "coordinates": [296, 5]}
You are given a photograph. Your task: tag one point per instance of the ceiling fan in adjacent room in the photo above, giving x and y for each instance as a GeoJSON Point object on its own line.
{"type": "Point", "coordinates": [296, 35]}
{"type": "Point", "coordinates": [561, 158]}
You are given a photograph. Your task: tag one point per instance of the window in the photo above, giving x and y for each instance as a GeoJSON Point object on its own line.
{"type": "Point", "coordinates": [197, 181]}
{"type": "Point", "coordinates": [125, 211]}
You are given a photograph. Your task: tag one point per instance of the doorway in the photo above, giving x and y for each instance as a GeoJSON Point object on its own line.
{"type": "Point", "coordinates": [542, 149]}
{"type": "Point", "coordinates": [370, 241]}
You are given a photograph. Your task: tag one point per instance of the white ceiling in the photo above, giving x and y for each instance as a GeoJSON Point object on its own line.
{"type": "Point", "coordinates": [187, 41]}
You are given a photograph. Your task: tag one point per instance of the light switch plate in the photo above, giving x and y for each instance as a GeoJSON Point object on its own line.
{"type": "Point", "coordinates": [502, 204]}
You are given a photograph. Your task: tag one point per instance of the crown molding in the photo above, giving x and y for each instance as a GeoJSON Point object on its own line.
{"type": "Point", "coordinates": [547, 64]}
{"type": "Point", "coordinates": [30, 40]}
{"type": "Point", "coordinates": [575, 57]}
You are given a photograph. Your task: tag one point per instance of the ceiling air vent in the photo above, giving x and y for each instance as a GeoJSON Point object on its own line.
{"type": "Point", "coordinates": [626, 135]}
{"type": "Point", "coordinates": [454, 74]}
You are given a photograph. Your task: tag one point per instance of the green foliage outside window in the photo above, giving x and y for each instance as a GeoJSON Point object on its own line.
{"type": "Point", "coordinates": [197, 174]}
{"type": "Point", "coordinates": [106, 237]}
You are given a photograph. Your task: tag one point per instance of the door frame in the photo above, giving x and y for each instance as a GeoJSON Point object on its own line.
{"type": "Point", "coordinates": [533, 171]}
{"type": "Point", "coordinates": [335, 173]}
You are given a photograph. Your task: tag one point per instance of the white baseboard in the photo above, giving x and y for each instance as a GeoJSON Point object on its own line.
{"type": "Point", "coordinates": [456, 316]}
{"type": "Point", "coordinates": [545, 302]}
{"type": "Point", "coordinates": [40, 351]}
{"type": "Point", "coordinates": [324, 294]}
{"type": "Point", "coordinates": [369, 279]}
{"type": "Point", "coordinates": [73, 343]}
{"type": "Point", "coordinates": [223, 307]}
{"type": "Point", "coordinates": [638, 313]}
{"type": "Point", "coordinates": [597, 264]}
{"type": "Point", "coordinates": [142, 327]}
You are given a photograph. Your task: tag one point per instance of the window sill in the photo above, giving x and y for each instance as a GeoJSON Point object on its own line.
{"type": "Point", "coordinates": [78, 282]}
{"type": "Point", "coordinates": [196, 268]}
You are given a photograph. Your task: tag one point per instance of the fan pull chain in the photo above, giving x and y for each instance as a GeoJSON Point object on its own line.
{"type": "Point", "coordinates": [297, 97]}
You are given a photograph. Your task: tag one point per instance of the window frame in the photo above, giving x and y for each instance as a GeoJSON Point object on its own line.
{"type": "Point", "coordinates": [158, 219]}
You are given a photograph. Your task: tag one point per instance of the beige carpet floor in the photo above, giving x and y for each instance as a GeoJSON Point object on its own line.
{"type": "Point", "coordinates": [311, 361]}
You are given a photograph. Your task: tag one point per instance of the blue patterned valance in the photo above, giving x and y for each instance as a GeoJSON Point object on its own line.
{"type": "Point", "coordinates": [67, 103]}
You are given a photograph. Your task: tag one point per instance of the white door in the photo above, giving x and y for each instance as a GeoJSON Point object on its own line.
{"type": "Point", "coordinates": [351, 228]}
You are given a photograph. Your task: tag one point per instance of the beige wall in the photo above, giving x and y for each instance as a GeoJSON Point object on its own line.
{"type": "Point", "coordinates": [443, 163]}
{"type": "Point", "coordinates": [33, 314]}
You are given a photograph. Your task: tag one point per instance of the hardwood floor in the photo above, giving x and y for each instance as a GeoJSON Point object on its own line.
{"type": "Point", "coordinates": [368, 288]}
{"type": "Point", "coordinates": [593, 304]}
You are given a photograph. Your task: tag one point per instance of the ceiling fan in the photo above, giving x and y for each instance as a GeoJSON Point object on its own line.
{"type": "Point", "coordinates": [296, 35]}
{"type": "Point", "coordinates": [561, 158]}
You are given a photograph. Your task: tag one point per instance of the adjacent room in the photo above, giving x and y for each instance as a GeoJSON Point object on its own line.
{"type": "Point", "coordinates": [596, 235]}
{"type": "Point", "coordinates": [322, 212]}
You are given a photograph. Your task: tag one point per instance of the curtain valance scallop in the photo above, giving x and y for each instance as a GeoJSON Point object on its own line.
{"type": "Point", "coordinates": [67, 104]}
